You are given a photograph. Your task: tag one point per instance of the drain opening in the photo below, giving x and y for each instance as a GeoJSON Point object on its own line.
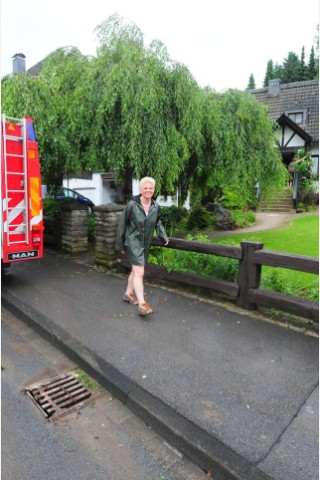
{"type": "Point", "coordinates": [60, 395]}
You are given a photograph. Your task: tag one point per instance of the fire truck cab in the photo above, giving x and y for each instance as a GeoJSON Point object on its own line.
{"type": "Point", "coordinates": [21, 198]}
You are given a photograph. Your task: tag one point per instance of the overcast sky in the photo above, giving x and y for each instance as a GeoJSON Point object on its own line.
{"type": "Point", "coordinates": [221, 43]}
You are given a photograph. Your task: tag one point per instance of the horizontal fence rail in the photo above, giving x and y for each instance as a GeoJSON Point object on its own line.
{"type": "Point", "coordinates": [287, 260]}
{"type": "Point", "coordinates": [246, 292]}
{"type": "Point", "coordinates": [201, 247]}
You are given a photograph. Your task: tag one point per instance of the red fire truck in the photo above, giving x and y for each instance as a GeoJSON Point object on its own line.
{"type": "Point", "coordinates": [21, 209]}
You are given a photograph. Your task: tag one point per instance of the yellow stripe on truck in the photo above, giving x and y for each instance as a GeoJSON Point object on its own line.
{"type": "Point", "coordinates": [35, 196]}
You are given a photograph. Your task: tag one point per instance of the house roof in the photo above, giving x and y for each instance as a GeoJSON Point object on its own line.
{"type": "Point", "coordinates": [293, 96]}
{"type": "Point", "coordinates": [35, 69]}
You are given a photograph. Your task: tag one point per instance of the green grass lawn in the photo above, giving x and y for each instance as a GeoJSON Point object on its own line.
{"type": "Point", "coordinates": [301, 237]}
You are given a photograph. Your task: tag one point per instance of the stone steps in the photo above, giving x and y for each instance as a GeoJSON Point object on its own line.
{"type": "Point", "coordinates": [278, 203]}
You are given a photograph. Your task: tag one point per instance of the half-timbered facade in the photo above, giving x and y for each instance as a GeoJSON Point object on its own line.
{"type": "Point", "coordinates": [295, 107]}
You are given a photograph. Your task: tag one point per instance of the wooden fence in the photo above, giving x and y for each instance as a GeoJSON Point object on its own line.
{"type": "Point", "coordinates": [246, 293]}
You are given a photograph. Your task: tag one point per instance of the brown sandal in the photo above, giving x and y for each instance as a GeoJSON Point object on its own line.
{"type": "Point", "coordinates": [130, 298]}
{"type": "Point", "coordinates": [145, 309]}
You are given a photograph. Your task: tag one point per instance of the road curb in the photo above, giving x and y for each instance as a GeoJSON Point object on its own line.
{"type": "Point", "coordinates": [204, 450]}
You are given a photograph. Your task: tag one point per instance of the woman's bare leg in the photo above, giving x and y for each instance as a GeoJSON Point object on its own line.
{"type": "Point", "coordinates": [130, 284]}
{"type": "Point", "coordinates": [137, 281]}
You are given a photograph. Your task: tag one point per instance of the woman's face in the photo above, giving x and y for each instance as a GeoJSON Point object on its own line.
{"type": "Point", "coordinates": [147, 191]}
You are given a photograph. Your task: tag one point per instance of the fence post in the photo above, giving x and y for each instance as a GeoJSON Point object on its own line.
{"type": "Point", "coordinates": [74, 228]}
{"type": "Point", "coordinates": [249, 274]}
{"type": "Point", "coordinates": [107, 220]}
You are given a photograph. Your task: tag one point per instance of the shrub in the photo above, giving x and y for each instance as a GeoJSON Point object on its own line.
{"type": "Point", "coordinates": [200, 263]}
{"type": "Point", "coordinates": [172, 216]}
{"type": "Point", "coordinates": [278, 280]}
{"type": "Point", "coordinates": [91, 228]}
{"type": "Point", "coordinates": [309, 197]}
{"type": "Point", "coordinates": [242, 218]}
{"type": "Point", "coordinates": [199, 218]}
{"type": "Point", "coordinates": [51, 207]}
{"type": "Point", "coordinates": [233, 199]}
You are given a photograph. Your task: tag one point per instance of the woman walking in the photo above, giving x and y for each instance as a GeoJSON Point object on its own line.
{"type": "Point", "coordinates": [137, 223]}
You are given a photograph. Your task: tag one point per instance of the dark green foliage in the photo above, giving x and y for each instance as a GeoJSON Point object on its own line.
{"type": "Point", "coordinates": [252, 83]}
{"type": "Point", "coordinates": [309, 198]}
{"type": "Point", "coordinates": [242, 218]}
{"type": "Point", "coordinates": [51, 207]}
{"type": "Point", "coordinates": [172, 216]}
{"type": "Point", "coordinates": [199, 218]}
{"type": "Point", "coordinates": [293, 68]}
{"type": "Point", "coordinates": [91, 228]}
{"type": "Point", "coordinates": [237, 149]}
{"type": "Point", "coordinates": [210, 265]}
{"type": "Point", "coordinates": [313, 67]}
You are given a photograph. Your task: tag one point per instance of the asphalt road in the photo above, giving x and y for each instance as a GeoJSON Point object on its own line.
{"type": "Point", "coordinates": [101, 441]}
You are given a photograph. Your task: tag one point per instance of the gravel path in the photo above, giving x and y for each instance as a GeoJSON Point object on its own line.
{"type": "Point", "coordinates": [265, 221]}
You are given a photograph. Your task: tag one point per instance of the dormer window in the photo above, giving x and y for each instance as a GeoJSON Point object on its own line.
{"type": "Point", "coordinates": [296, 117]}
{"type": "Point", "coordinates": [297, 113]}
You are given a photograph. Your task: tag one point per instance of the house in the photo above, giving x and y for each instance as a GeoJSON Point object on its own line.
{"type": "Point", "coordinates": [295, 107]}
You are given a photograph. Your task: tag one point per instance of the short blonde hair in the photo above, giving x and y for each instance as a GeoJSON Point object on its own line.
{"type": "Point", "coordinates": [147, 180]}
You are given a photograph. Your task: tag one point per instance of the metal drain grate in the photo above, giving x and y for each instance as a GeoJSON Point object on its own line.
{"type": "Point", "coordinates": [60, 395]}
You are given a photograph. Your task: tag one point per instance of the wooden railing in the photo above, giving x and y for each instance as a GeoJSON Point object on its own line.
{"type": "Point", "coordinates": [246, 292]}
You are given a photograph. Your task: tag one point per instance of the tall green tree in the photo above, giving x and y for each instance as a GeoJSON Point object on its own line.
{"type": "Point", "coordinates": [66, 69]}
{"type": "Point", "coordinates": [240, 149]}
{"type": "Point", "coordinates": [50, 99]}
{"type": "Point", "coordinates": [23, 95]}
{"type": "Point", "coordinates": [146, 122]}
{"type": "Point", "coordinates": [303, 67]}
{"type": "Point", "coordinates": [291, 69]}
{"type": "Point", "coordinates": [251, 84]}
{"type": "Point", "coordinates": [313, 71]}
{"type": "Point", "coordinates": [269, 73]}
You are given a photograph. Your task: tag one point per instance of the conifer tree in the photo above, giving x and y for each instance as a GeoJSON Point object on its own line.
{"type": "Point", "coordinates": [269, 73]}
{"type": "Point", "coordinates": [291, 69]}
{"type": "Point", "coordinates": [312, 68]}
{"type": "Point", "coordinates": [303, 67]}
{"type": "Point", "coordinates": [251, 83]}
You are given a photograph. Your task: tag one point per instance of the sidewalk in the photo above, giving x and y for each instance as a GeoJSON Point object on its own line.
{"type": "Point", "coordinates": [235, 394]}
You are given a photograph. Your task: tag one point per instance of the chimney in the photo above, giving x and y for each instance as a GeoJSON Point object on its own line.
{"type": "Point", "coordinates": [19, 63]}
{"type": "Point", "coordinates": [274, 88]}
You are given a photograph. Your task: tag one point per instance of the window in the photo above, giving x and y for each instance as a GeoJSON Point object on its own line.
{"type": "Point", "coordinates": [296, 117]}
{"type": "Point", "coordinates": [315, 166]}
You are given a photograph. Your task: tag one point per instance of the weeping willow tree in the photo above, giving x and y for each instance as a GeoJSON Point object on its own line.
{"type": "Point", "coordinates": [49, 99]}
{"type": "Point", "coordinates": [133, 110]}
{"type": "Point", "coordinates": [240, 150]}
{"type": "Point", "coordinates": [147, 108]}
{"type": "Point", "coordinates": [23, 95]}
{"type": "Point", "coordinates": [65, 70]}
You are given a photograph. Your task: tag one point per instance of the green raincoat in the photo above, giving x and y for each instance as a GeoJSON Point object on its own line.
{"type": "Point", "coordinates": [136, 229]}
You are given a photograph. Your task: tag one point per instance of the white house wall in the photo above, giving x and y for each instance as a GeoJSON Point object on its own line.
{"type": "Point", "coordinates": [99, 191]}
{"type": "Point", "coordinates": [91, 189]}
{"type": "Point", "coordinates": [294, 142]}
